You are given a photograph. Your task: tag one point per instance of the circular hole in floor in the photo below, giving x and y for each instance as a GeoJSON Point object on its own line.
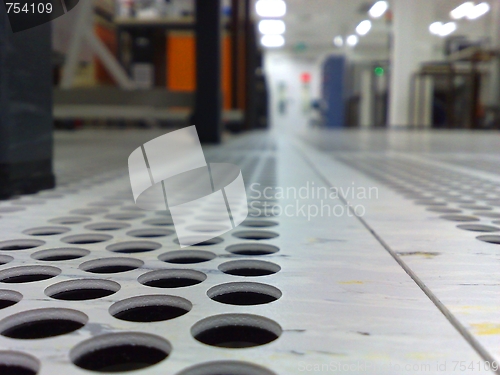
{"type": "Point", "coordinates": [46, 231]}
{"type": "Point", "coordinates": [215, 210]}
{"type": "Point", "coordinates": [252, 249]}
{"type": "Point", "coordinates": [120, 352]}
{"type": "Point", "coordinates": [226, 368]}
{"type": "Point", "coordinates": [490, 215]}
{"type": "Point", "coordinates": [9, 298]}
{"type": "Point", "coordinates": [461, 200]}
{"type": "Point", "coordinates": [249, 268]}
{"type": "Point", "coordinates": [131, 247]}
{"type": "Point", "coordinates": [187, 256]}
{"type": "Point", "coordinates": [476, 207]}
{"type": "Point", "coordinates": [42, 323]}
{"type": "Point", "coordinates": [68, 220]}
{"type": "Point", "coordinates": [259, 223]}
{"type": "Point", "coordinates": [430, 203]}
{"type": "Point", "coordinates": [131, 208]}
{"type": "Point", "coordinates": [174, 278]}
{"type": "Point", "coordinates": [490, 239]}
{"type": "Point", "coordinates": [64, 253]}
{"type": "Point", "coordinates": [51, 195]}
{"type": "Point", "coordinates": [106, 203]}
{"type": "Point", "coordinates": [82, 290]}
{"type": "Point", "coordinates": [28, 274]}
{"type": "Point", "coordinates": [208, 228]}
{"type": "Point", "coordinates": [16, 363]}
{"type": "Point", "coordinates": [160, 222]}
{"type": "Point", "coordinates": [107, 226]}
{"type": "Point", "coordinates": [12, 245]}
{"type": "Point", "coordinates": [125, 216]}
{"type": "Point", "coordinates": [262, 204]}
{"type": "Point", "coordinates": [263, 213]}
{"type": "Point", "coordinates": [180, 212]}
{"type": "Point", "coordinates": [444, 210]}
{"type": "Point", "coordinates": [89, 211]}
{"type": "Point", "coordinates": [29, 202]}
{"type": "Point", "coordinates": [85, 239]}
{"type": "Point", "coordinates": [8, 210]}
{"type": "Point", "coordinates": [152, 308]}
{"type": "Point", "coordinates": [462, 218]}
{"type": "Point", "coordinates": [244, 293]}
{"type": "Point", "coordinates": [478, 228]}
{"type": "Point", "coordinates": [202, 241]}
{"type": "Point", "coordinates": [236, 330]}
{"type": "Point", "coordinates": [4, 259]}
{"type": "Point", "coordinates": [150, 233]}
{"type": "Point", "coordinates": [212, 218]}
{"type": "Point", "coordinates": [256, 235]}
{"type": "Point", "coordinates": [111, 265]}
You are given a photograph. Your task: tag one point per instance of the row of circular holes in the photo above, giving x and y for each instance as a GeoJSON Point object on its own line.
{"type": "Point", "coordinates": [476, 228]}
{"type": "Point", "coordinates": [215, 292]}
{"type": "Point", "coordinates": [218, 365]}
{"type": "Point", "coordinates": [218, 294]}
{"type": "Point", "coordinates": [124, 218]}
{"type": "Point", "coordinates": [119, 264]}
{"type": "Point", "coordinates": [145, 246]}
{"type": "Point", "coordinates": [141, 233]}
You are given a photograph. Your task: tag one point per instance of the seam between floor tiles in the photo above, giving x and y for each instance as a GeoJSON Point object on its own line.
{"type": "Point", "coordinates": [435, 300]}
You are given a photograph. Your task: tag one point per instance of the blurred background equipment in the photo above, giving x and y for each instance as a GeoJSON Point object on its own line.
{"type": "Point", "coordinates": [152, 46]}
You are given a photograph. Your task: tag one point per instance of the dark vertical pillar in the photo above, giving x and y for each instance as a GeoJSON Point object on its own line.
{"type": "Point", "coordinates": [25, 109]}
{"type": "Point", "coordinates": [251, 64]}
{"type": "Point", "coordinates": [208, 99]}
{"type": "Point", "coordinates": [239, 10]}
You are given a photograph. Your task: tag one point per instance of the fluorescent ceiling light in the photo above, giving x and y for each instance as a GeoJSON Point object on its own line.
{"type": "Point", "coordinates": [364, 27]}
{"type": "Point", "coordinates": [270, 8]}
{"type": "Point", "coordinates": [338, 41]}
{"type": "Point", "coordinates": [448, 28]}
{"type": "Point", "coordinates": [440, 29]}
{"type": "Point", "coordinates": [352, 40]}
{"type": "Point", "coordinates": [462, 10]}
{"type": "Point", "coordinates": [272, 41]}
{"type": "Point", "coordinates": [435, 28]}
{"type": "Point", "coordinates": [378, 9]}
{"type": "Point", "coordinates": [272, 27]}
{"type": "Point", "coordinates": [478, 11]}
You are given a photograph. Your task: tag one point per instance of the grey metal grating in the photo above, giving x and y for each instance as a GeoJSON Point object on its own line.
{"type": "Point", "coordinates": [391, 294]}
{"type": "Point", "coordinates": [88, 274]}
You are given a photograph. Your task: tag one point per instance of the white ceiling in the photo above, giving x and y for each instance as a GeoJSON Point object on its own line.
{"type": "Point", "coordinates": [317, 22]}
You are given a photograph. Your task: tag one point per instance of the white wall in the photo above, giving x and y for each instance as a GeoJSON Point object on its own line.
{"type": "Point", "coordinates": [286, 66]}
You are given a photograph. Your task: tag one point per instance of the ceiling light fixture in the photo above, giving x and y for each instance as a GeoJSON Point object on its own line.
{"type": "Point", "coordinates": [338, 41]}
{"type": "Point", "coordinates": [435, 28]}
{"type": "Point", "coordinates": [478, 11]}
{"type": "Point", "coordinates": [272, 41]}
{"type": "Point", "coordinates": [364, 27]}
{"type": "Point", "coordinates": [270, 8]}
{"type": "Point", "coordinates": [352, 40]}
{"type": "Point", "coordinates": [448, 28]}
{"type": "Point", "coordinates": [442, 30]}
{"type": "Point", "coordinates": [462, 10]}
{"type": "Point", "coordinates": [378, 9]}
{"type": "Point", "coordinates": [272, 27]}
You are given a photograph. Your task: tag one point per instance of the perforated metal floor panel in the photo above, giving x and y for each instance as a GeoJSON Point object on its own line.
{"type": "Point", "coordinates": [364, 253]}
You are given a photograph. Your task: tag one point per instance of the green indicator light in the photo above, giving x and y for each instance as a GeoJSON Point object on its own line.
{"type": "Point", "coordinates": [379, 71]}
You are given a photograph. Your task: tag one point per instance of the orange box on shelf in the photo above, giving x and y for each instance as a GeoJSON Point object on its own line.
{"type": "Point", "coordinates": [181, 64]}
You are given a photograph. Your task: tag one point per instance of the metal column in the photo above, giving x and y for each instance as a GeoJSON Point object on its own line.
{"type": "Point", "coordinates": [25, 109]}
{"type": "Point", "coordinates": [208, 101]}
